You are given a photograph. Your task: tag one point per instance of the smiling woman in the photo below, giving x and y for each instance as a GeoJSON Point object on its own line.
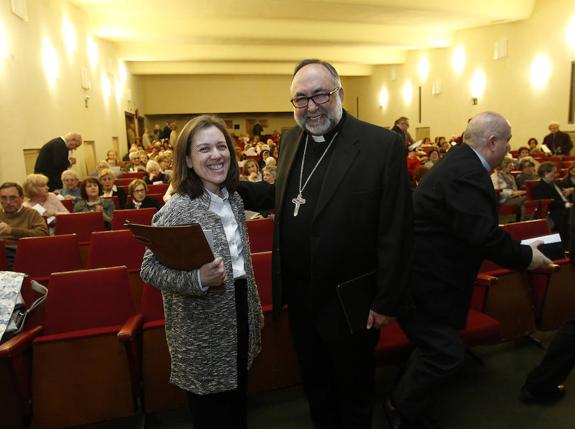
{"type": "Point", "coordinates": [213, 314]}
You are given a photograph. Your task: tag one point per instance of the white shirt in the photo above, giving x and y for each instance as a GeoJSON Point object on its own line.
{"type": "Point", "coordinates": [221, 207]}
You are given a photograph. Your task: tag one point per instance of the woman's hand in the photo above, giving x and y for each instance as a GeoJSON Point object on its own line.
{"type": "Point", "coordinates": [213, 274]}
{"type": "Point", "coordinates": [99, 208]}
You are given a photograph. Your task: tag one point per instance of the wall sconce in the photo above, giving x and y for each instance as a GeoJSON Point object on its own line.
{"type": "Point", "coordinates": [383, 98]}
{"type": "Point", "coordinates": [86, 99]}
{"type": "Point", "coordinates": [474, 101]}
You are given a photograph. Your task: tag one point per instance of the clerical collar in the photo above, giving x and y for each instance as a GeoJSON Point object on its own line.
{"type": "Point", "coordinates": [328, 136]}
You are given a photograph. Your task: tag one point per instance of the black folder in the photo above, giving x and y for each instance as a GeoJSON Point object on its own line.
{"type": "Point", "coordinates": [356, 296]}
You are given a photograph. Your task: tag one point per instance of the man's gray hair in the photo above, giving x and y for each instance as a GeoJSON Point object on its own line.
{"type": "Point", "coordinates": [331, 69]}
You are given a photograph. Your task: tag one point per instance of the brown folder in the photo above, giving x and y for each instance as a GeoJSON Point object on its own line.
{"type": "Point", "coordinates": [182, 247]}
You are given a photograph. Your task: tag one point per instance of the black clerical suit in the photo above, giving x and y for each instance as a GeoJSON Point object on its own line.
{"type": "Point", "coordinates": [558, 143]}
{"type": "Point", "coordinates": [456, 227]}
{"type": "Point", "coordinates": [356, 218]}
{"type": "Point", "coordinates": [52, 161]}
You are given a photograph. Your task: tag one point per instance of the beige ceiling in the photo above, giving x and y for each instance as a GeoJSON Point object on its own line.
{"type": "Point", "coordinates": [269, 36]}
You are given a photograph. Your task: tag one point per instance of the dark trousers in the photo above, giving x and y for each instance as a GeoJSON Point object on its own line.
{"type": "Point", "coordinates": [337, 375]}
{"type": "Point", "coordinates": [557, 363]}
{"type": "Point", "coordinates": [227, 409]}
{"type": "Point", "coordinates": [438, 354]}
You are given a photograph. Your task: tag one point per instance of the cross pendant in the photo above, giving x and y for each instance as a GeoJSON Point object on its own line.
{"type": "Point", "coordinates": [298, 201]}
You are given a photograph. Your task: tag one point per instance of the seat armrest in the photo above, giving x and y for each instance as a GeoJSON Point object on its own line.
{"type": "Point", "coordinates": [20, 342]}
{"type": "Point", "coordinates": [131, 327]}
{"type": "Point", "coordinates": [485, 280]}
{"type": "Point", "coordinates": [553, 268]}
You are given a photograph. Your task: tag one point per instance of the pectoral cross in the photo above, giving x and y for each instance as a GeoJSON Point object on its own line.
{"type": "Point", "coordinates": [298, 201]}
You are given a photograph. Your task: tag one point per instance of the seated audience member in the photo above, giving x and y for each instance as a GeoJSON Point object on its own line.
{"type": "Point", "coordinates": [102, 165]}
{"type": "Point", "coordinates": [139, 191]}
{"type": "Point", "coordinates": [154, 174]}
{"type": "Point", "coordinates": [504, 182]}
{"type": "Point", "coordinates": [524, 155]}
{"type": "Point", "coordinates": [271, 162]}
{"type": "Point", "coordinates": [133, 148]}
{"type": "Point", "coordinates": [109, 189]}
{"type": "Point", "coordinates": [136, 162]}
{"type": "Point", "coordinates": [527, 173]}
{"type": "Point", "coordinates": [91, 201]}
{"type": "Point", "coordinates": [269, 175]}
{"type": "Point", "coordinates": [569, 179]}
{"type": "Point", "coordinates": [164, 162]}
{"type": "Point", "coordinates": [534, 148]}
{"type": "Point", "coordinates": [559, 208]}
{"type": "Point", "coordinates": [413, 163]}
{"type": "Point", "coordinates": [144, 158]}
{"type": "Point", "coordinates": [252, 171]}
{"type": "Point", "coordinates": [70, 189]}
{"type": "Point", "coordinates": [112, 158]}
{"type": "Point", "coordinates": [44, 202]}
{"type": "Point", "coordinates": [17, 221]}
{"type": "Point", "coordinates": [433, 158]}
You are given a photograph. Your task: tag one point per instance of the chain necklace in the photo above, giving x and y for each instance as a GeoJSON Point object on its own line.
{"type": "Point", "coordinates": [299, 200]}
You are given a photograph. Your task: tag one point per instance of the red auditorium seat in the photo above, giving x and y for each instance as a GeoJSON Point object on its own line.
{"type": "Point", "coordinates": [69, 204]}
{"type": "Point", "coordinates": [133, 175]}
{"type": "Point", "coordinates": [159, 198]}
{"type": "Point", "coordinates": [143, 216]}
{"type": "Point", "coordinates": [3, 260]}
{"type": "Point", "coordinates": [262, 263]}
{"type": "Point", "coordinates": [260, 232]}
{"type": "Point", "coordinates": [158, 189]}
{"type": "Point", "coordinates": [113, 248]}
{"type": "Point", "coordinates": [553, 289]}
{"type": "Point", "coordinates": [16, 368]}
{"type": "Point", "coordinates": [276, 366]}
{"type": "Point", "coordinates": [40, 256]}
{"type": "Point", "coordinates": [159, 393]}
{"type": "Point", "coordinates": [123, 181]}
{"type": "Point", "coordinates": [85, 364]}
{"type": "Point", "coordinates": [82, 224]}
{"type": "Point", "coordinates": [115, 200]}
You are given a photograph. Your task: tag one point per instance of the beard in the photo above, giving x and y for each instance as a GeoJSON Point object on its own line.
{"type": "Point", "coordinates": [326, 122]}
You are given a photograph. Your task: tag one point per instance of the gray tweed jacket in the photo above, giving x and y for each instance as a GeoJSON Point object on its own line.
{"type": "Point", "coordinates": [201, 327]}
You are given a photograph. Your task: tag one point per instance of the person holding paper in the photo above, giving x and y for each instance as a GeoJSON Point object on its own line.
{"type": "Point", "coordinates": [456, 227]}
{"type": "Point", "coordinates": [343, 209]}
{"type": "Point", "coordinates": [213, 314]}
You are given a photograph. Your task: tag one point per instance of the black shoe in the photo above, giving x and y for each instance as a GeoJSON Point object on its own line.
{"type": "Point", "coordinates": [396, 421]}
{"type": "Point", "coordinates": [545, 397]}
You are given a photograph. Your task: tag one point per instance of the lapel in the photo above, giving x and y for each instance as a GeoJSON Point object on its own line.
{"type": "Point", "coordinates": [290, 147]}
{"type": "Point", "coordinates": [344, 152]}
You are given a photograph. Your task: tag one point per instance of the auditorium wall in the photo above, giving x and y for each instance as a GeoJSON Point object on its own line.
{"type": "Point", "coordinates": [508, 87]}
{"type": "Point", "coordinates": [32, 110]}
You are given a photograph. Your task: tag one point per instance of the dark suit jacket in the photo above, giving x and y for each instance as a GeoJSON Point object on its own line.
{"type": "Point", "coordinates": [456, 227]}
{"type": "Point", "coordinates": [362, 219]}
{"type": "Point", "coordinates": [561, 140]}
{"type": "Point", "coordinates": [52, 161]}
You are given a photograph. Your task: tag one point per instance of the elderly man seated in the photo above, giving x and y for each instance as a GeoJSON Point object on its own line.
{"type": "Point", "coordinates": [17, 221]}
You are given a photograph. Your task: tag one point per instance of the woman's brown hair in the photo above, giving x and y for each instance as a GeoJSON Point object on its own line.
{"type": "Point", "coordinates": [185, 180]}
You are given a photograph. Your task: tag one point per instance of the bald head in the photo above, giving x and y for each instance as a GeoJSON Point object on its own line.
{"type": "Point", "coordinates": [73, 140]}
{"type": "Point", "coordinates": [489, 134]}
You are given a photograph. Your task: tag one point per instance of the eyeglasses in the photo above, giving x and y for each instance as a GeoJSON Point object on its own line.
{"type": "Point", "coordinates": [321, 98]}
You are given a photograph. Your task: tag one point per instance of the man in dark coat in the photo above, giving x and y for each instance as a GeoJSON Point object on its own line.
{"type": "Point", "coordinates": [558, 142]}
{"type": "Point", "coordinates": [456, 227]}
{"type": "Point", "coordinates": [54, 158]}
{"type": "Point", "coordinates": [343, 209]}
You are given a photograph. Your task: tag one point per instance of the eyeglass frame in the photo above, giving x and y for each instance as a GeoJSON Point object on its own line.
{"type": "Point", "coordinates": [301, 97]}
